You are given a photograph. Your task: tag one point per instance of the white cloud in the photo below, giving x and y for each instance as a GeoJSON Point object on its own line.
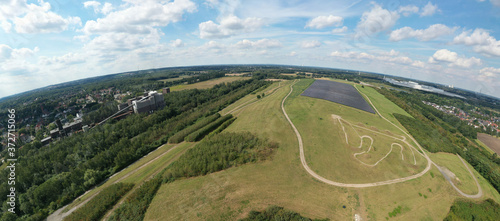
{"type": "Point", "coordinates": [432, 32]}
{"type": "Point", "coordinates": [230, 25]}
{"type": "Point", "coordinates": [481, 40]}
{"type": "Point", "coordinates": [490, 72]}
{"type": "Point", "coordinates": [392, 52]}
{"type": "Point", "coordinates": [453, 59]}
{"type": "Point", "coordinates": [310, 44]}
{"type": "Point", "coordinates": [140, 17]}
{"type": "Point", "coordinates": [6, 26]}
{"type": "Point", "coordinates": [292, 54]}
{"type": "Point", "coordinates": [429, 9]}
{"type": "Point", "coordinates": [339, 30]}
{"type": "Point", "coordinates": [12, 9]}
{"type": "Point", "coordinates": [62, 61]}
{"type": "Point", "coordinates": [110, 42]}
{"type": "Point", "coordinates": [325, 21]}
{"type": "Point", "coordinates": [177, 43]}
{"type": "Point", "coordinates": [375, 21]}
{"type": "Point", "coordinates": [495, 2]}
{"type": "Point", "coordinates": [213, 45]}
{"type": "Point", "coordinates": [419, 64]}
{"type": "Point", "coordinates": [105, 9]}
{"type": "Point", "coordinates": [408, 10]}
{"type": "Point", "coordinates": [390, 57]}
{"type": "Point", "coordinates": [262, 43]}
{"type": "Point", "coordinates": [6, 52]}
{"type": "Point", "coordinates": [39, 19]}
{"type": "Point", "coordinates": [92, 4]}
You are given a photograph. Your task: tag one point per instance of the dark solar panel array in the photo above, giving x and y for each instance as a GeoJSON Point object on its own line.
{"type": "Point", "coordinates": [339, 93]}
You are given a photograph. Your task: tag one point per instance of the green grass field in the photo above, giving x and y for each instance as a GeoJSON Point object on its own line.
{"type": "Point", "coordinates": [325, 147]}
{"type": "Point", "coordinates": [207, 84]}
{"type": "Point", "coordinates": [282, 181]}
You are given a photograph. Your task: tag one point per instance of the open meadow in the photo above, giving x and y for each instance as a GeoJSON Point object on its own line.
{"type": "Point", "coordinates": [282, 181]}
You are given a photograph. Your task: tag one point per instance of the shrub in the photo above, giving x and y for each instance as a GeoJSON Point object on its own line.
{"type": "Point", "coordinates": [202, 132]}
{"type": "Point", "coordinates": [179, 136]}
{"type": "Point", "coordinates": [96, 208]}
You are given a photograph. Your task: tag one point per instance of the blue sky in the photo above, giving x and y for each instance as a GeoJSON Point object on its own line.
{"type": "Point", "coordinates": [448, 42]}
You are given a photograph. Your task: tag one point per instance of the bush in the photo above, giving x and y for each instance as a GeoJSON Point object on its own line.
{"type": "Point", "coordinates": [468, 210]}
{"type": "Point", "coordinates": [277, 213]}
{"type": "Point", "coordinates": [223, 126]}
{"type": "Point", "coordinates": [136, 205]}
{"type": "Point", "coordinates": [181, 135]}
{"type": "Point", "coordinates": [202, 132]}
{"type": "Point", "coordinates": [219, 152]}
{"type": "Point", "coordinates": [96, 208]}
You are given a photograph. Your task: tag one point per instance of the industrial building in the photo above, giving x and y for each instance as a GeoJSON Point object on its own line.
{"type": "Point", "coordinates": [63, 130]}
{"type": "Point", "coordinates": [150, 102]}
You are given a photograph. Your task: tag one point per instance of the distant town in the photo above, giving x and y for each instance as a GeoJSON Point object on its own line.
{"type": "Point", "coordinates": [68, 113]}
{"type": "Point", "coordinates": [485, 123]}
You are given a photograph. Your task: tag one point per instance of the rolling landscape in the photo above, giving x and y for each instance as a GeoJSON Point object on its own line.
{"type": "Point", "coordinates": [249, 110]}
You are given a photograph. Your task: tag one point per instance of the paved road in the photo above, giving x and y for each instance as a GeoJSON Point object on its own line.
{"type": "Point", "coordinates": [362, 185]}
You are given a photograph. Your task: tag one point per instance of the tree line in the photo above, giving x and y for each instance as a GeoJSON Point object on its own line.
{"type": "Point", "coordinates": [51, 176]}
{"type": "Point", "coordinates": [277, 213]}
{"type": "Point", "coordinates": [97, 207]}
{"type": "Point", "coordinates": [214, 153]}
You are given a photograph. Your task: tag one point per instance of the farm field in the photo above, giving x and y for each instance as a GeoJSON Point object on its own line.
{"type": "Point", "coordinates": [282, 181]}
{"type": "Point", "coordinates": [175, 79]}
{"type": "Point", "coordinates": [207, 84]}
{"type": "Point", "coordinates": [493, 143]}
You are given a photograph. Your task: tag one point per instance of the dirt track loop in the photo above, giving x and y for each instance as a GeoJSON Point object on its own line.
{"type": "Point", "coordinates": [362, 185]}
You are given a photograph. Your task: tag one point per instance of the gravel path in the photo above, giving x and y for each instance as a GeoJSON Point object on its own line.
{"type": "Point", "coordinates": [331, 182]}
{"type": "Point", "coordinates": [387, 182]}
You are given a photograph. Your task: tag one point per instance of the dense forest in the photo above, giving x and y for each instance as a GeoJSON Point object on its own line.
{"type": "Point", "coordinates": [277, 213]}
{"type": "Point", "coordinates": [214, 153]}
{"type": "Point", "coordinates": [51, 176]}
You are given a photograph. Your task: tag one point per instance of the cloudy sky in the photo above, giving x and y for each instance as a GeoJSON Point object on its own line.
{"type": "Point", "coordinates": [449, 42]}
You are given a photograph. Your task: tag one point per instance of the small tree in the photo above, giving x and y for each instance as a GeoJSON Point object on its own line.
{"type": "Point", "coordinates": [70, 117]}
{"type": "Point", "coordinates": [258, 96]}
{"type": "Point", "coordinates": [263, 94]}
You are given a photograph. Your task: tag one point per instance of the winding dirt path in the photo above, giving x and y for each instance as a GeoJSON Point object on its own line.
{"type": "Point", "coordinates": [380, 183]}
{"type": "Point", "coordinates": [475, 196]}
{"type": "Point", "coordinates": [331, 182]}
{"type": "Point", "coordinates": [363, 185]}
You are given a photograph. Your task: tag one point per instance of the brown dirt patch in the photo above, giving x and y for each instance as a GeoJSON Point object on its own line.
{"type": "Point", "coordinates": [492, 142]}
